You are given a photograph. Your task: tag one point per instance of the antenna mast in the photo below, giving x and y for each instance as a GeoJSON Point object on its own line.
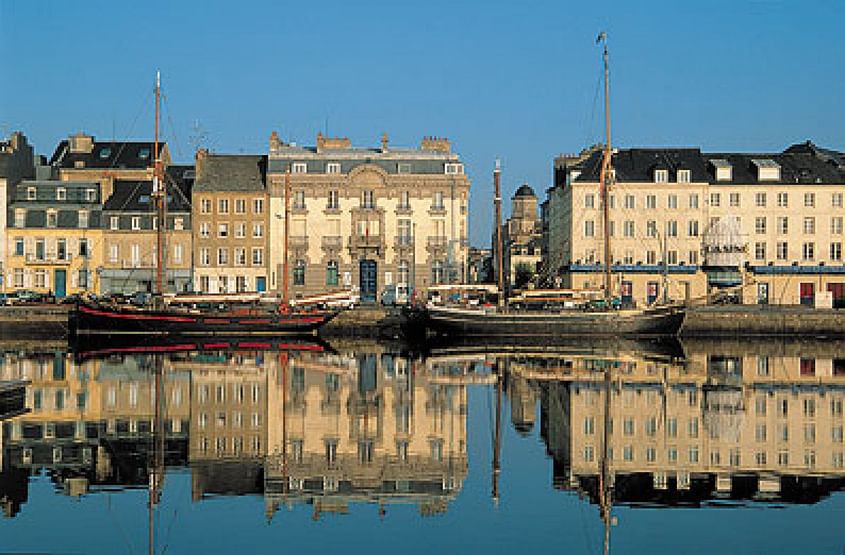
{"type": "Point", "coordinates": [606, 174]}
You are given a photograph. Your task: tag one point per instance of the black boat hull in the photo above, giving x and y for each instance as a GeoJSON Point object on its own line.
{"type": "Point", "coordinates": [86, 319]}
{"type": "Point", "coordinates": [664, 321]}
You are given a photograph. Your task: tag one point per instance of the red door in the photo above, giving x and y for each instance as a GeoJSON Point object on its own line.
{"type": "Point", "coordinates": [838, 290]}
{"type": "Point", "coordinates": [808, 293]}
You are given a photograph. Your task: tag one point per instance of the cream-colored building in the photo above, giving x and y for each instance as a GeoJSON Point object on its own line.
{"type": "Point", "coordinates": [367, 217]}
{"type": "Point", "coordinates": [699, 223]}
{"type": "Point", "coordinates": [230, 226]}
{"type": "Point", "coordinates": [521, 240]}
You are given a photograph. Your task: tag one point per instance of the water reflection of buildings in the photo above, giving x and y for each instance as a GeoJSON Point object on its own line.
{"type": "Point", "coordinates": [721, 424]}
{"type": "Point", "coordinates": [320, 428]}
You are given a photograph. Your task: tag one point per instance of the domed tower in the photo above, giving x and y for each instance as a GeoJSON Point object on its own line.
{"type": "Point", "coordinates": [523, 221]}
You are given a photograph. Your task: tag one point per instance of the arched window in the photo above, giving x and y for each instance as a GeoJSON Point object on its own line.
{"type": "Point", "coordinates": [299, 272]}
{"type": "Point", "coordinates": [331, 272]}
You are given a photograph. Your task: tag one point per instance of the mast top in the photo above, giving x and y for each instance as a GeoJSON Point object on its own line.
{"type": "Point", "coordinates": [498, 166]}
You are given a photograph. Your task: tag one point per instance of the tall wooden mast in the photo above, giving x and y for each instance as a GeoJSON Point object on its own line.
{"type": "Point", "coordinates": [606, 174]}
{"type": "Point", "coordinates": [160, 196]}
{"type": "Point", "coordinates": [500, 278]}
{"type": "Point", "coordinates": [286, 259]}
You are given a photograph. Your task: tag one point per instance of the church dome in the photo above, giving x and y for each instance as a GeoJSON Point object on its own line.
{"type": "Point", "coordinates": [525, 191]}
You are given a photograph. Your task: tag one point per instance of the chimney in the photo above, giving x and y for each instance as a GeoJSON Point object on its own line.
{"type": "Point", "coordinates": [436, 144]}
{"type": "Point", "coordinates": [202, 154]}
{"type": "Point", "coordinates": [81, 143]}
{"type": "Point", "coordinates": [275, 142]}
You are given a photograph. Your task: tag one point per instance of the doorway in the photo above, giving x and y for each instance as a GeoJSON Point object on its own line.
{"type": "Point", "coordinates": [369, 280]}
{"type": "Point", "coordinates": [61, 283]}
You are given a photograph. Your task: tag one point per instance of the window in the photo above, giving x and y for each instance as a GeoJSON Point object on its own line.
{"type": "Point", "coordinates": [222, 256]}
{"type": "Point", "coordinates": [20, 217]}
{"type": "Point", "coordinates": [589, 228]}
{"type": "Point", "coordinates": [762, 366]}
{"type": "Point", "coordinates": [809, 200]}
{"type": "Point", "coordinates": [760, 251]}
{"type": "Point", "coordinates": [404, 200]}
{"type": "Point", "coordinates": [258, 230]}
{"type": "Point", "coordinates": [240, 230]}
{"type": "Point", "coordinates": [454, 169]}
{"type": "Point", "coordinates": [809, 225]}
{"type": "Point", "coordinates": [331, 273]}
{"type": "Point", "coordinates": [715, 199]}
{"type": "Point", "coordinates": [136, 222]}
{"type": "Point", "coordinates": [19, 248]}
{"type": "Point", "coordinates": [630, 202]}
{"type": "Point", "coordinates": [629, 229]}
{"type": "Point", "coordinates": [671, 228]}
{"type": "Point", "coordinates": [333, 167]}
{"type": "Point", "coordinates": [783, 200]}
{"type": "Point", "coordinates": [299, 167]}
{"type": "Point", "coordinates": [650, 257]}
{"type": "Point", "coordinates": [782, 250]}
{"type": "Point", "coordinates": [651, 228]}
{"type": "Point", "coordinates": [693, 200]}
{"type": "Point", "coordinates": [333, 202]}
{"type": "Point", "coordinates": [437, 202]}
{"type": "Point", "coordinates": [734, 199]}
{"type": "Point", "coordinates": [672, 257]}
{"type": "Point", "coordinates": [836, 200]}
{"type": "Point", "coordinates": [258, 206]}
{"type": "Point", "coordinates": [836, 225]}
{"type": "Point", "coordinates": [684, 176]}
{"type": "Point", "coordinates": [240, 206]}
{"type": "Point", "coordinates": [18, 278]}
{"type": "Point", "coordinates": [223, 206]}
{"type": "Point", "coordinates": [205, 259]}
{"type": "Point", "coordinates": [651, 202]}
{"type": "Point", "coordinates": [437, 272]}
{"type": "Point", "coordinates": [83, 219]}
{"type": "Point", "coordinates": [672, 202]}
{"type": "Point", "coordinates": [205, 206]}
{"type": "Point", "coordinates": [589, 200]}
{"type": "Point", "coordinates": [240, 256]}
{"type": "Point", "coordinates": [783, 225]}
{"type": "Point", "coordinates": [808, 250]}
{"type": "Point", "coordinates": [135, 254]}
{"type": "Point", "coordinates": [222, 230]}
{"type": "Point", "coordinates": [61, 193]}
{"type": "Point", "coordinates": [404, 230]}
{"type": "Point", "coordinates": [204, 229]}
{"type": "Point", "coordinates": [403, 167]}
{"type": "Point", "coordinates": [760, 225]}
{"type": "Point", "coordinates": [404, 272]}
{"type": "Point", "coordinates": [299, 272]}
{"type": "Point", "coordinates": [31, 193]}
{"type": "Point", "coordinates": [692, 228]}
{"type": "Point", "coordinates": [39, 249]}
{"type": "Point", "coordinates": [257, 256]}
{"type": "Point", "coordinates": [177, 253]}
{"type": "Point", "coordinates": [693, 257]}
{"type": "Point", "coordinates": [367, 199]}
{"type": "Point", "coordinates": [114, 252]}
{"type": "Point", "coordinates": [661, 176]}
{"type": "Point", "coordinates": [178, 224]}
{"type": "Point", "coordinates": [299, 200]}
{"type": "Point", "coordinates": [52, 218]}
{"type": "Point", "coordinates": [90, 195]}
{"type": "Point", "coordinates": [836, 251]}
{"type": "Point", "coordinates": [760, 200]}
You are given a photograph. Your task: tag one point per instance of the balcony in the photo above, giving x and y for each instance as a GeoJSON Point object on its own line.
{"type": "Point", "coordinates": [366, 242]}
{"type": "Point", "coordinates": [436, 242]}
{"type": "Point", "coordinates": [49, 258]}
{"type": "Point", "coordinates": [298, 241]}
{"type": "Point", "coordinates": [404, 242]}
{"type": "Point", "coordinates": [332, 242]}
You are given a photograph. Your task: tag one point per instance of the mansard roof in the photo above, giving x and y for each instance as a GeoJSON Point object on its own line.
{"type": "Point", "coordinates": [231, 172]}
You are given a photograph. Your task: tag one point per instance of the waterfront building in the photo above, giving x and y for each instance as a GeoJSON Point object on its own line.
{"type": "Point", "coordinates": [129, 231]}
{"type": "Point", "coordinates": [54, 237]}
{"type": "Point", "coordinates": [479, 265]}
{"type": "Point", "coordinates": [367, 217]}
{"type": "Point", "coordinates": [522, 240]}
{"type": "Point", "coordinates": [16, 163]}
{"type": "Point", "coordinates": [692, 224]}
{"type": "Point", "coordinates": [230, 223]}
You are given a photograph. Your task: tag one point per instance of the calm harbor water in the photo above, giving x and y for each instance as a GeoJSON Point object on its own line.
{"type": "Point", "coordinates": [729, 446]}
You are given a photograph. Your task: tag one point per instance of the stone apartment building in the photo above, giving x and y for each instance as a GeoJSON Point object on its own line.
{"type": "Point", "coordinates": [521, 240]}
{"type": "Point", "coordinates": [231, 220]}
{"type": "Point", "coordinates": [367, 217]}
{"type": "Point", "coordinates": [696, 223]}
{"type": "Point", "coordinates": [16, 163]}
{"type": "Point", "coordinates": [129, 243]}
{"type": "Point", "coordinates": [54, 237]}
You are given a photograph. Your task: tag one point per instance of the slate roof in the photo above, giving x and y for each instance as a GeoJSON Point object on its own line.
{"type": "Point", "coordinates": [134, 196]}
{"type": "Point", "coordinates": [231, 172]}
{"type": "Point", "coordinates": [119, 155]}
{"type": "Point", "coordinates": [798, 164]}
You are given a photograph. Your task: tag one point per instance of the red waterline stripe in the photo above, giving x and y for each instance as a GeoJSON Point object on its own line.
{"type": "Point", "coordinates": [254, 345]}
{"type": "Point", "coordinates": [216, 345]}
{"type": "Point", "coordinates": [136, 316]}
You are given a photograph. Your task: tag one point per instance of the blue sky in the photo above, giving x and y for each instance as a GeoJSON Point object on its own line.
{"type": "Point", "coordinates": [515, 80]}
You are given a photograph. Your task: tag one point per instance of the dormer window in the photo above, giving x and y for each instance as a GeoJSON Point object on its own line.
{"type": "Point", "coordinates": [767, 170]}
{"type": "Point", "coordinates": [661, 176]}
{"type": "Point", "coordinates": [683, 176]}
{"type": "Point", "coordinates": [722, 169]}
{"type": "Point", "coordinates": [144, 153]}
{"type": "Point", "coordinates": [403, 167]}
{"type": "Point", "coordinates": [31, 193]}
{"type": "Point", "coordinates": [61, 193]}
{"type": "Point", "coordinates": [454, 169]}
{"type": "Point", "coordinates": [90, 195]}
{"type": "Point", "coordinates": [299, 167]}
{"type": "Point", "coordinates": [333, 167]}
{"type": "Point", "coordinates": [105, 152]}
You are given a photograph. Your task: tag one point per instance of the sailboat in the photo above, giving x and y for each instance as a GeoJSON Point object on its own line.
{"type": "Point", "coordinates": [590, 319]}
{"type": "Point", "coordinates": [180, 315]}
